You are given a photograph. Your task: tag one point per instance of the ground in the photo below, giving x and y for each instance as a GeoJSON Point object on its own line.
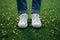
{"type": "Point", "coordinates": [49, 14]}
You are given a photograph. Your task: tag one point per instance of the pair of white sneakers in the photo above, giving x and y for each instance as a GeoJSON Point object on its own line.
{"type": "Point", "coordinates": [24, 18]}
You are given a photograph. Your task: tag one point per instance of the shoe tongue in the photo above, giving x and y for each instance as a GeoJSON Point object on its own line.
{"type": "Point", "coordinates": [23, 17]}
{"type": "Point", "coordinates": [35, 17]}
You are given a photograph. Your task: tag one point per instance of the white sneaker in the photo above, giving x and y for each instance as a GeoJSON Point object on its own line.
{"type": "Point", "coordinates": [23, 20]}
{"type": "Point", "coordinates": [36, 21]}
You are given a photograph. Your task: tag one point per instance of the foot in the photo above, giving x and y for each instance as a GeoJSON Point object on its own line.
{"type": "Point", "coordinates": [23, 20]}
{"type": "Point", "coordinates": [36, 20]}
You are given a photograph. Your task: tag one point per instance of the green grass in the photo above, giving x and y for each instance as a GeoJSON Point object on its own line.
{"type": "Point", "coordinates": [50, 17]}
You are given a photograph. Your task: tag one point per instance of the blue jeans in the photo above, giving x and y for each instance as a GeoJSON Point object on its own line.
{"type": "Point", "coordinates": [22, 6]}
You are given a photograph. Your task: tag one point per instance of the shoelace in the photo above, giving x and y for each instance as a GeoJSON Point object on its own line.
{"type": "Point", "coordinates": [23, 18]}
{"type": "Point", "coordinates": [36, 17]}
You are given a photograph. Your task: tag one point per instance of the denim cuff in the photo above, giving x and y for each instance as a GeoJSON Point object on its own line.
{"type": "Point", "coordinates": [23, 11]}
{"type": "Point", "coordinates": [35, 11]}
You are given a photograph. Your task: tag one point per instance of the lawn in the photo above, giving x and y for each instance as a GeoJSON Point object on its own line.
{"type": "Point", "coordinates": [50, 17]}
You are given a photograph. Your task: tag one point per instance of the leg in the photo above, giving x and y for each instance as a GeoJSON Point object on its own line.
{"type": "Point", "coordinates": [22, 6]}
{"type": "Point", "coordinates": [36, 4]}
